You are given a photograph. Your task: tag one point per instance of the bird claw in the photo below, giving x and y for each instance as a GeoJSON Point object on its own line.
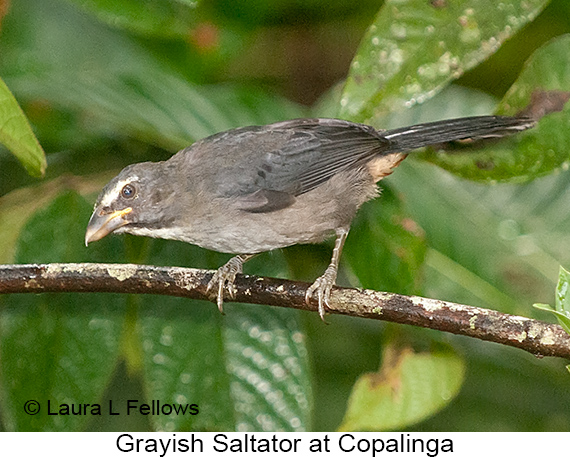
{"type": "Point", "coordinates": [323, 287]}
{"type": "Point", "coordinates": [223, 281]}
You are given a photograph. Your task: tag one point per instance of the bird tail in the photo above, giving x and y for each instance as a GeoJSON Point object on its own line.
{"type": "Point", "coordinates": [475, 128]}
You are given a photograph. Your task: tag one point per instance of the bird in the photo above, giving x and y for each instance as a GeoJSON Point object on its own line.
{"type": "Point", "coordinates": [258, 188]}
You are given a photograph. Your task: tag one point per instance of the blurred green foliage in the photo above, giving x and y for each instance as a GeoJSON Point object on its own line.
{"type": "Point", "coordinates": [105, 84]}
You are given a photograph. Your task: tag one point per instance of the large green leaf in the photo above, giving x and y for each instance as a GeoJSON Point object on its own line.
{"type": "Point", "coordinates": [163, 109]}
{"type": "Point", "coordinates": [60, 348]}
{"type": "Point", "coordinates": [17, 135]}
{"type": "Point", "coordinates": [247, 370]}
{"type": "Point", "coordinates": [543, 86]}
{"type": "Point", "coordinates": [270, 376]}
{"type": "Point", "coordinates": [453, 101]}
{"type": "Point", "coordinates": [410, 387]}
{"type": "Point", "coordinates": [414, 48]}
{"type": "Point", "coordinates": [499, 246]}
{"type": "Point", "coordinates": [484, 241]}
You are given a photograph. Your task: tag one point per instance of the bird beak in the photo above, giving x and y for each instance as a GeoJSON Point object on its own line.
{"type": "Point", "coordinates": [101, 224]}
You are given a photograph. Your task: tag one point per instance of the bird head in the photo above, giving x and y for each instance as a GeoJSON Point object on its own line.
{"type": "Point", "coordinates": [135, 201]}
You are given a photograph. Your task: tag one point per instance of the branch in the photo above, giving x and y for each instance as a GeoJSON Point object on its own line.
{"type": "Point", "coordinates": [536, 337]}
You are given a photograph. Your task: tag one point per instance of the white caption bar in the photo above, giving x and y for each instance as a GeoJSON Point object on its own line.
{"type": "Point", "coordinates": [258, 444]}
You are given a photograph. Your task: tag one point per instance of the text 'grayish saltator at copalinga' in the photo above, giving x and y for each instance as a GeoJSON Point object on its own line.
{"type": "Point", "coordinates": [258, 188]}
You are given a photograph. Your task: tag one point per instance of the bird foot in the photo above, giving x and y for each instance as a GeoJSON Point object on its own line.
{"type": "Point", "coordinates": [223, 280]}
{"type": "Point", "coordinates": [322, 286]}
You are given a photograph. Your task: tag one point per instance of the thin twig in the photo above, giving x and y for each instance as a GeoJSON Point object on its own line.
{"type": "Point", "coordinates": [534, 336]}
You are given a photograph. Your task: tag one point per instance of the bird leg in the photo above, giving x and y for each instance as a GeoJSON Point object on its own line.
{"type": "Point", "coordinates": [225, 276]}
{"type": "Point", "coordinates": [324, 284]}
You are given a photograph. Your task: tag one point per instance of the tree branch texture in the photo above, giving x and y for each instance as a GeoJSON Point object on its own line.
{"type": "Point", "coordinates": [537, 337]}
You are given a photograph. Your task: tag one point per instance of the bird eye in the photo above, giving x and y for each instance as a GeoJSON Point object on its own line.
{"type": "Point", "coordinates": [128, 191]}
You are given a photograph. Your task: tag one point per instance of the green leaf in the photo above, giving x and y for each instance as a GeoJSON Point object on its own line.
{"type": "Point", "coordinates": [504, 240]}
{"type": "Point", "coordinates": [165, 18]}
{"type": "Point", "coordinates": [488, 245]}
{"type": "Point", "coordinates": [183, 363]}
{"type": "Point", "coordinates": [386, 248]}
{"type": "Point", "coordinates": [414, 48]}
{"type": "Point", "coordinates": [497, 379]}
{"type": "Point", "coordinates": [269, 370]}
{"type": "Point", "coordinates": [182, 348]}
{"type": "Point", "coordinates": [543, 85]}
{"type": "Point", "coordinates": [247, 370]}
{"type": "Point", "coordinates": [563, 291]}
{"type": "Point", "coordinates": [547, 70]}
{"type": "Point", "coordinates": [562, 311]}
{"type": "Point", "coordinates": [161, 108]}
{"type": "Point", "coordinates": [17, 135]}
{"type": "Point", "coordinates": [563, 318]}
{"type": "Point", "coordinates": [409, 387]}
{"type": "Point", "coordinates": [453, 101]}
{"type": "Point", "coordinates": [61, 348]}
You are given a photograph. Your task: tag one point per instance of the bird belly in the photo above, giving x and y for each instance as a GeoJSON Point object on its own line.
{"type": "Point", "coordinates": [251, 233]}
{"type": "Point", "coordinates": [313, 217]}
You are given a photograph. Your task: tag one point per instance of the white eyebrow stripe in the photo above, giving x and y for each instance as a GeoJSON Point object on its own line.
{"type": "Point", "coordinates": [112, 195]}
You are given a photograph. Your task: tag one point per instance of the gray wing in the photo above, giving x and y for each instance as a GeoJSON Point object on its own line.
{"type": "Point", "coordinates": [292, 158]}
